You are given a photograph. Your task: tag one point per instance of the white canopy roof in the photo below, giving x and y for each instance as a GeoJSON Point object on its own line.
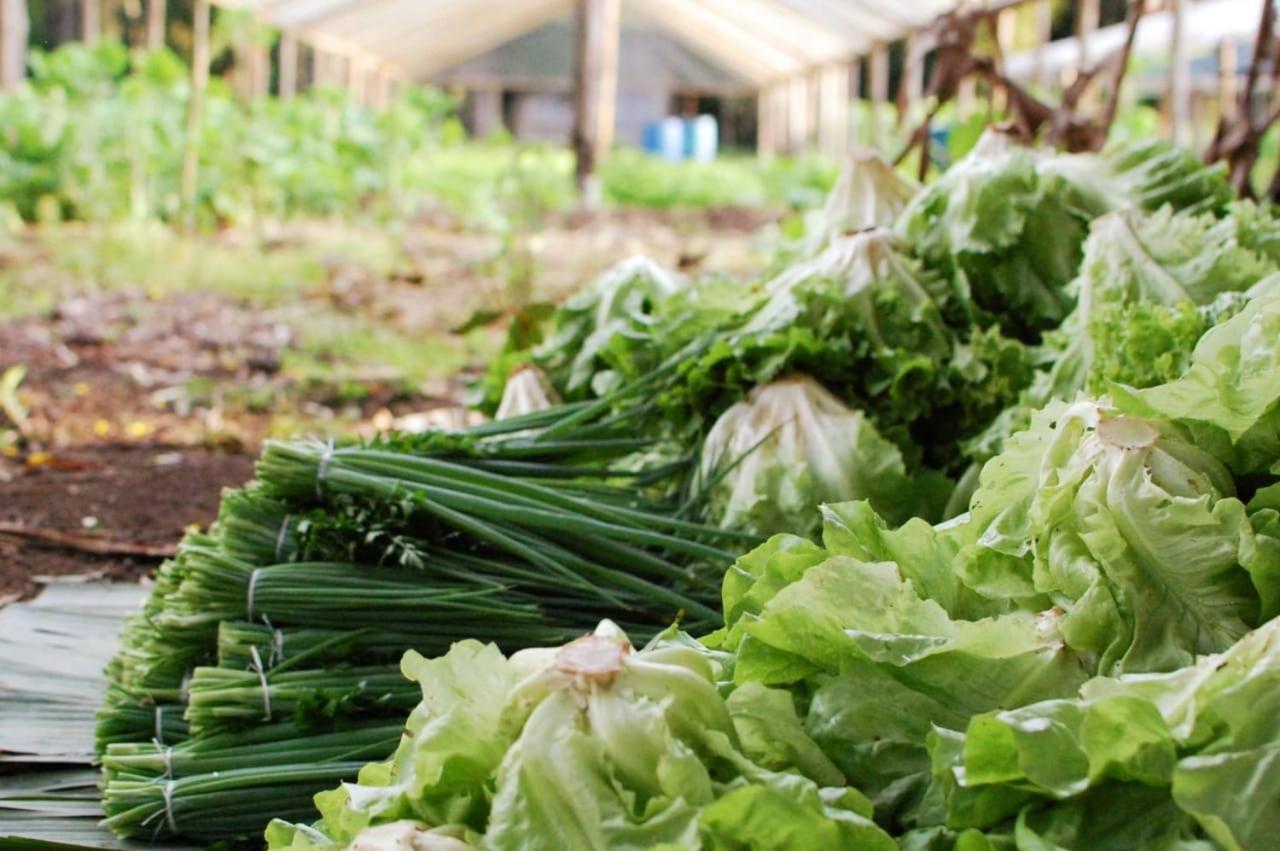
{"type": "Point", "coordinates": [1206, 25]}
{"type": "Point", "coordinates": [761, 40]}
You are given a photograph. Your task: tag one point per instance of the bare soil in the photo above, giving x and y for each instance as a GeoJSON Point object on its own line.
{"type": "Point", "coordinates": [133, 496]}
{"type": "Point", "coordinates": [141, 407]}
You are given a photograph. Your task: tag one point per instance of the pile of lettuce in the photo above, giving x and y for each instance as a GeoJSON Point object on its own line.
{"type": "Point", "coordinates": [593, 745]}
{"type": "Point", "coordinates": [941, 316]}
{"type": "Point", "coordinates": [1149, 287]}
{"type": "Point", "coordinates": [1088, 658]}
{"type": "Point", "coordinates": [1006, 224]}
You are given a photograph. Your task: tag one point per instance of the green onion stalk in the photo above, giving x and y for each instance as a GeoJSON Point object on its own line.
{"type": "Point", "coordinates": [222, 700]}
{"type": "Point", "coordinates": [218, 805]}
{"type": "Point", "coordinates": [272, 641]}
{"type": "Point", "coordinates": [239, 641]}
{"type": "Point", "coordinates": [283, 743]}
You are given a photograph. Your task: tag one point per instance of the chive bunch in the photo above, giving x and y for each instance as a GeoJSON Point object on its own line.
{"type": "Point", "coordinates": [264, 666]}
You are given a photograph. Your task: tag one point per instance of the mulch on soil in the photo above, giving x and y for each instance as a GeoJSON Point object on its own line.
{"type": "Point", "coordinates": [129, 495]}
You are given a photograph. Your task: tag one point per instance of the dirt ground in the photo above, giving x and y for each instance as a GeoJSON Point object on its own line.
{"type": "Point", "coordinates": [138, 404]}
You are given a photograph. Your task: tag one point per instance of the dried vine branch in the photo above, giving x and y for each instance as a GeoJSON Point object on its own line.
{"type": "Point", "coordinates": [1238, 139]}
{"type": "Point", "coordinates": [954, 36]}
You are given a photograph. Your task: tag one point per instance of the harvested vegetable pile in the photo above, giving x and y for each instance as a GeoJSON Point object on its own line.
{"type": "Point", "coordinates": [940, 315]}
{"type": "Point", "coordinates": [1088, 658]}
{"type": "Point", "coordinates": [263, 667]}
{"type": "Point", "coordinates": [1035, 618]}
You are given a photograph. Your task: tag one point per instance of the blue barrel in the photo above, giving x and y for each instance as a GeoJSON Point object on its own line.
{"type": "Point", "coordinates": [671, 139]}
{"type": "Point", "coordinates": [701, 138]}
{"type": "Point", "coordinates": [651, 138]}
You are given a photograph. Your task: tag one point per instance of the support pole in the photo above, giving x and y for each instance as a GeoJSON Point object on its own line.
{"type": "Point", "coordinates": [1043, 13]}
{"type": "Point", "coordinates": [833, 110]}
{"type": "Point", "coordinates": [782, 118]}
{"type": "Point", "coordinates": [878, 85]}
{"type": "Point", "coordinates": [195, 110]}
{"type": "Point", "coordinates": [853, 87]}
{"type": "Point", "coordinates": [766, 146]}
{"type": "Point", "coordinates": [595, 78]}
{"type": "Point", "coordinates": [14, 29]}
{"type": "Point", "coordinates": [912, 84]}
{"type": "Point", "coordinates": [1087, 16]}
{"type": "Point", "coordinates": [609, 77]}
{"type": "Point", "coordinates": [90, 21]}
{"type": "Point", "coordinates": [155, 24]}
{"type": "Point", "coordinates": [288, 65]}
{"type": "Point", "coordinates": [1228, 80]}
{"type": "Point", "coordinates": [355, 81]}
{"type": "Point", "coordinates": [1179, 77]}
{"type": "Point", "coordinates": [798, 121]}
{"type": "Point", "coordinates": [386, 88]}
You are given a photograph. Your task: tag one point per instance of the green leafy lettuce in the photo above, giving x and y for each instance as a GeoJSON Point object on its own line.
{"type": "Point", "coordinates": [770, 461]}
{"type": "Point", "coordinates": [867, 323]}
{"type": "Point", "coordinates": [868, 194]}
{"type": "Point", "coordinates": [1150, 761]}
{"type": "Point", "coordinates": [1229, 397]}
{"type": "Point", "coordinates": [594, 745]}
{"type": "Point", "coordinates": [1149, 287]}
{"type": "Point", "coordinates": [879, 639]}
{"type": "Point", "coordinates": [1007, 224]}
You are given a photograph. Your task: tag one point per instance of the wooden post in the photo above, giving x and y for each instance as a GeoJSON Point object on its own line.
{"type": "Point", "coordinates": [595, 90]}
{"type": "Point", "coordinates": [288, 79]}
{"type": "Point", "coordinates": [355, 80]}
{"type": "Point", "coordinates": [772, 131]}
{"type": "Point", "coordinates": [386, 88]}
{"type": "Point", "coordinates": [609, 77]}
{"type": "Point", "coordinates": [14, 28]}
{"type": "Point", "coordinates": [1228, 80]}
{"type": "Point", "coordinates": [253, 67]}
{"type": "Point", "coordinates": [324, 68]}
{"type": "Point", "coordinates": [1179, 76]}
{"type": "Point", "coordinates": [155, 24]}
{"type": "Point", "coordinates": [486, 110]}
{"type": "Point", "coordinates": [833, 110]}
{"type": "Point", "coordinates": [195, 111]}
{"type": "Point", "coordinates": [912, 84]}
{"type": "Point", "coordinates": [796, 93]}
{"type": "Point", "coordinates": [261, 69]}
{"type": "Point", "coordinates": [782, 117]}
{"type": "Point", "coordinates": [1087, 16]}
{"type": "Point", "coordinates": [764, 125]}
{"type": "Point", "coordinates": [853, 85]}
{"type": "Point", "coordinates": [878, 85]}
{"type": "Point", "coordinates": [1043, 12]}
{"type": "Point", "coordinates": [90, 21]}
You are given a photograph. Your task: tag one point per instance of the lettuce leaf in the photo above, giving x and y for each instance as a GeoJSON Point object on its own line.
{"type": "Point", "coordinates": [1230, 395]}
{"type": "Point", "coordinates": [594, 745]}
{"type": "Point", "coordinates": [770, 461]}
{"type": "Point", "coordinates": [1148, 760]}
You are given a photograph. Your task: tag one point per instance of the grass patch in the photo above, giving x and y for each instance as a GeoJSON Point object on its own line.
{"type": "Point", "coordinates": [59, 260]}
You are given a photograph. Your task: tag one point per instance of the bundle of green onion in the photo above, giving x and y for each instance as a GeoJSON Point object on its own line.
{"type": "Point", "coordinates": [284, 624]}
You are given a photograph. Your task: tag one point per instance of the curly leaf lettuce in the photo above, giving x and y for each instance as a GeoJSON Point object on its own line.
{"type": "Point", "coordinates": [882, 649]}
{"type": "Point", "coordinates": [868, 194]}
{"type": "Point", "coordinates": [1230, 395]}
{"type": "Point", "coordinates": [594, 745]}
{"type": "Point", "coordinates": [791, 446]}
{"type": "Point", "coordinates": [1156, 759]}
{"type": "Point", "coordinates": [590, 329]}
{"type": "Point", "coordinates": [1132, 532]}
